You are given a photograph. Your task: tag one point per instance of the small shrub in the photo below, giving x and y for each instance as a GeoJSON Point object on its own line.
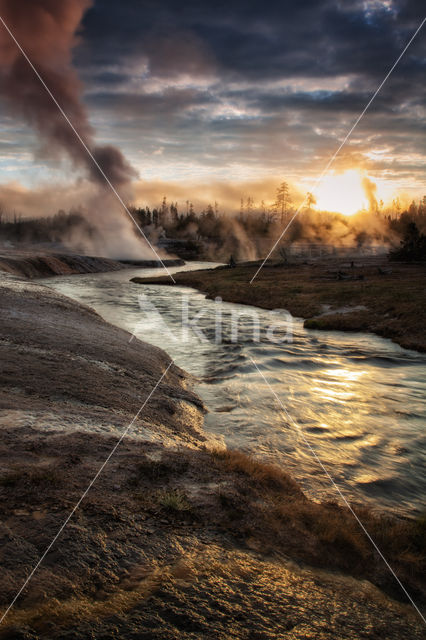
{"type": "Point", "coordinates": [174, 500]}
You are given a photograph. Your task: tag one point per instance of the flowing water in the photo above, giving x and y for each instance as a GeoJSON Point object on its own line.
{"type": "Point", "coordinates": [358, 400]}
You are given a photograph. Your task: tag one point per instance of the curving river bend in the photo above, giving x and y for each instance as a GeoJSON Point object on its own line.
{"type": "Point", "coordinates": [360, 399]}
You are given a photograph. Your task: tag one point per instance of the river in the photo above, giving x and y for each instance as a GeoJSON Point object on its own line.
{"type": "Point", "coordinates": [357, 399]}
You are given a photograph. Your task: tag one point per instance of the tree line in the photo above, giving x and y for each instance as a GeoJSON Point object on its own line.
{"type": "Point", "coordinates": [213, 233]}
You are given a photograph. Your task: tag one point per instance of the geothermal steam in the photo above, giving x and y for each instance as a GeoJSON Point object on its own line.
{"type": "Point", "coordinates": [46, 30]}
{"type": "Point", "coordinates": [370, 189]}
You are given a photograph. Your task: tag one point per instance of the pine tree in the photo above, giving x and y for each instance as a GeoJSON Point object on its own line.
{"type": "Point", "coordinates": [282, 201]}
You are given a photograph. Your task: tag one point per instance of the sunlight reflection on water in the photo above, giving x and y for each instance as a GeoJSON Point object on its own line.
{"type": "Point", "coordinates": [360, 399]}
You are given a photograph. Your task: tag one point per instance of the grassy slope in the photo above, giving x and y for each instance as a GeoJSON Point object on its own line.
{"type": "Point", "coordinates": [395, 303]}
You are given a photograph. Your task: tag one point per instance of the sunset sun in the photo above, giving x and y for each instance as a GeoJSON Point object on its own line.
{"type": "Point", "coordinates": [342, 193]}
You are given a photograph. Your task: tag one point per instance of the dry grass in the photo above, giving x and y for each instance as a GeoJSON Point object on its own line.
{"type": "Point", "coordinates": [395, 302]}
{"type": "Point", "coordinates": [267, 475]}
{"type": "Point", "coordinates": [173, 500]}
{"type": "Point", "coordinates": [266, 509]}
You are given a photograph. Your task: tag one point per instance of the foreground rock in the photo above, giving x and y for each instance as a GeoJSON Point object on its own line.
{"type": "Point", "coordinates": [33, 263]}
{"type": "Point", "coordinates": [39, 264]}
{"type": "Point", "coordinates": [176, 538]}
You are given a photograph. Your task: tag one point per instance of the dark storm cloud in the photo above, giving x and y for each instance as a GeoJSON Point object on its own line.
{"type": "Point", "coordinates": [269, 70]}
{"type": "Point", "coordinates": [257, 39]}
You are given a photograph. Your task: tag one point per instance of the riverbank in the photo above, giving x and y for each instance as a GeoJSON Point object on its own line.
{"type": "Point", "coordinates": [176, 538]}
{"type": "Point", "coordinates": [371, 295]}
{"type": "Point", "coordinates": [34, 263]}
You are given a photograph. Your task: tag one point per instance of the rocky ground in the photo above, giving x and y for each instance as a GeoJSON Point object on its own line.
{"type": "Point", "coordinates": [176, 538]}
{"type": "Point", "coordinates": [33, 262]}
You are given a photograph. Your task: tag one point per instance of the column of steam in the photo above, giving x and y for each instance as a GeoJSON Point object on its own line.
{"type": "Point", "coordinates": [46, 31]}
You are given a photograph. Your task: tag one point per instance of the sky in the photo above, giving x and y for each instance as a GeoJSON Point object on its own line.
{"type": "Point", "coordinates": [238, 92]}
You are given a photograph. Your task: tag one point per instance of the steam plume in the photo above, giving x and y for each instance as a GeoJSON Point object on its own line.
{"type": "Point", "coordinates": [370, 189]}
{"type": "Point", "coordinates": [46, 31]}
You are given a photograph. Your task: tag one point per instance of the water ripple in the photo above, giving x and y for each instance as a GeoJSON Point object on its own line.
{"type": "Point", "coordinates": [359, 399]}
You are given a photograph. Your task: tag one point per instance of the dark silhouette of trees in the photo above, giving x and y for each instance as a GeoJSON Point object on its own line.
{"type": "Point", "coordinates": [282, 201]}
{"type": "Point", "coordinates": [49, 229]}
{"type": "Point", "coordinates": [413, 245]}
{"type": "Point", "coordinates": [212, 232]}
{"type": "Point", "coordinates": [310, 200]}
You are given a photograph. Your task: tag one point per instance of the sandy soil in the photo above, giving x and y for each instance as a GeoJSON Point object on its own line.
{"type": "Point", "coordinates": [175, 539]}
